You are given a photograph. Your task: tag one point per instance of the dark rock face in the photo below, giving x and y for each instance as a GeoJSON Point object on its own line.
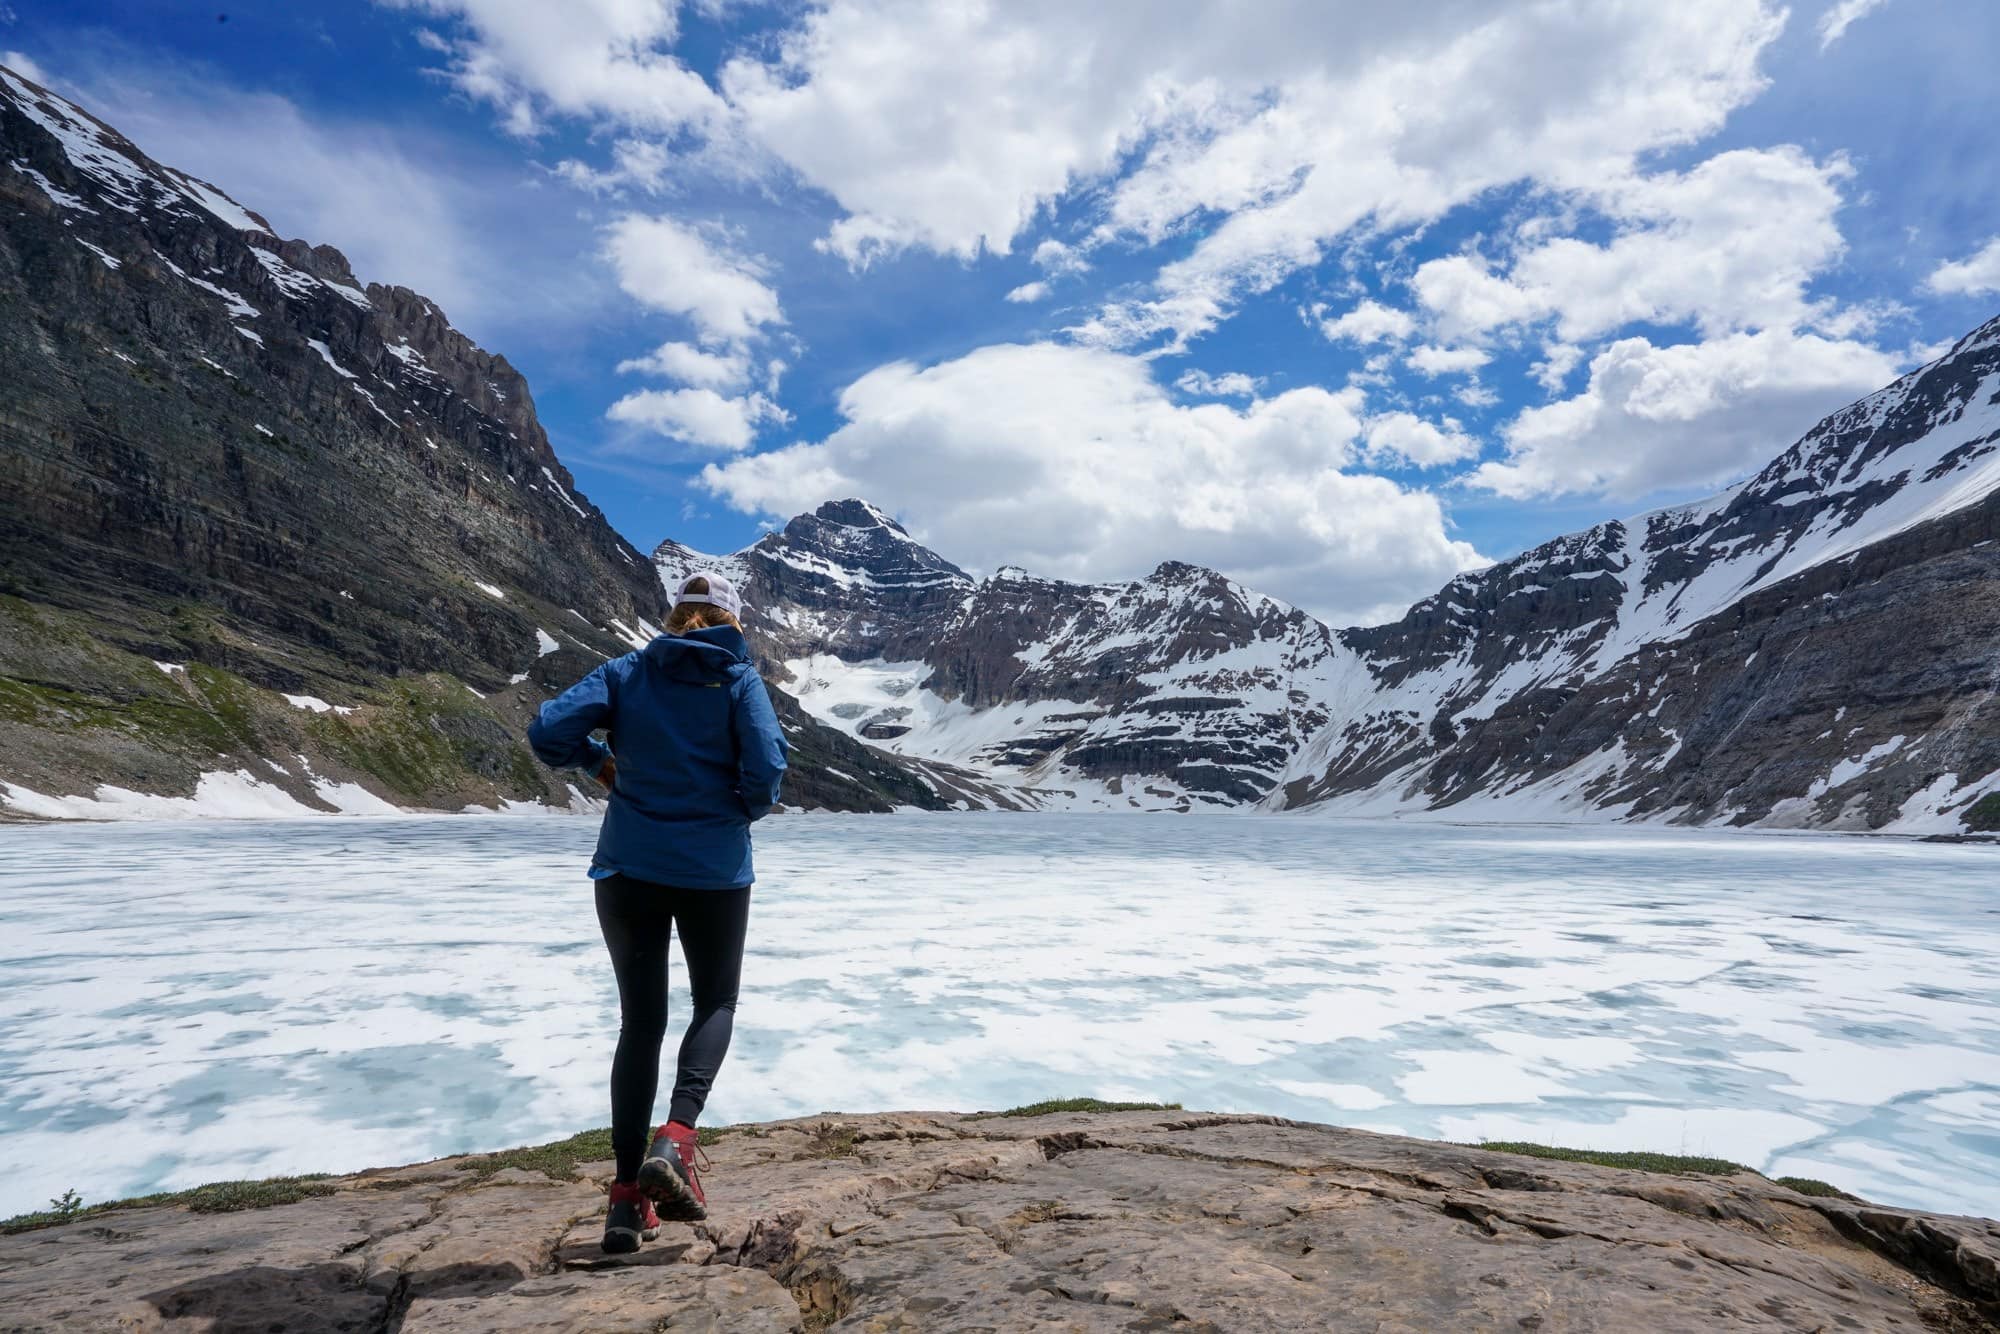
{"type": "Point", "coordinates": [1120, 1221]}
{"type": "Point", "coordinates": [218, 451]}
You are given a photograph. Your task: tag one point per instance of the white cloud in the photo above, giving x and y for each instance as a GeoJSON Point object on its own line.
{"type": "Point", "coordinates": [1434, 361]}
{"type": "Point", "coordinates": [1842, 15]}
{"type": "Point", "coordinates": [1402, 436]}
{"type": "Point", "coordinates": [1075, 462]}
{"type": "Point", "coordinates": [24, 65]}
{"type": "Point", "coordinates": [690, 365]}
{"type": "Point", "coordinates": [596, 58]}
{"type": "Point", "coordinates": [674, 267]}
{"type": "Point", "coordinates": [1696, 414]}
{"type": "Point", "coordinates": [698, 416]}
{"type": "Point", "coordinates": [1059, 259]}
{"type": "Point", "coordinates": [1291, 125]}
{"type": "Point", "coordinates": [1462, 298]}
{"type": "Point", "coordinates": [1027, 292]}
{"type": "Point", "coordinates": [636, 164]}
{"type": "Point", "coordinates": [1976, 275]}
{"type": "Point", "coordinates": [1370, 322]}
{"type": "Point", "coordinates": [1730, 244]}
{"type": "Point", "coordinates": [1558, 360]}
{"type": "Point", "coordinates": [1230, 384]}
{"type": "Point", "coordinates": [1567, 95]}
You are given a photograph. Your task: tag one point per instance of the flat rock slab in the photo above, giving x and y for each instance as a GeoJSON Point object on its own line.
{"type": "Point", "coordinates": [1078, 1222]}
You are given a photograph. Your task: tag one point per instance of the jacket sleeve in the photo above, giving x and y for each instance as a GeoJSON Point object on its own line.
{"type": "Point", "coordinates": [760, 747]}
{"type": "Point", "coordinates": [561, 733]}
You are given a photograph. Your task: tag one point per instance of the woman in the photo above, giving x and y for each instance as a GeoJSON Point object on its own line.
{"type": "Point", "coordinates": [695, 756]}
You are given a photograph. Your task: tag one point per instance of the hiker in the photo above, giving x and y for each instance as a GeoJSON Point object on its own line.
{"type": "Point", "coordinates": [695, 756]}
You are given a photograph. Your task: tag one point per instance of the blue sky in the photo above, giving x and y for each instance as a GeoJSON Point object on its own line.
{"type": "Point", "coordinates": [1337, 297]}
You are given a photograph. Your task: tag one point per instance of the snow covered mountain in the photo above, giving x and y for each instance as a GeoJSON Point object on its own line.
{"type": "Point", "coordinates": [272, 542]}
{"type": "Point", "coordinates": [1817, 646]}
{"type": "Point", "coordinates": [1178, 689]}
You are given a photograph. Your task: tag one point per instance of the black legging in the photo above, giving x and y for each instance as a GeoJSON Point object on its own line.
{"type": "Point", "coordinates": [637, 917]}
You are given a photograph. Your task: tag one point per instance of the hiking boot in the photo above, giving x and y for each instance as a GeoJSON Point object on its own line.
{"type": "Point", "coordinates": [670, 1176]}
{"type": "Point", "coordinates": [630, 1221]}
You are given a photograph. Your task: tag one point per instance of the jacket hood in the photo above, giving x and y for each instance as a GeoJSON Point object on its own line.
{"type": "Point", "coordinates": [700, 655]}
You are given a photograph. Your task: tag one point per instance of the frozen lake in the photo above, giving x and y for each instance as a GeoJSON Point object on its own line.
{"type": "Point", "coordinates": [184, 1002]}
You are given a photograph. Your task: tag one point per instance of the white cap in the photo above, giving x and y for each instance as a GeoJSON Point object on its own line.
{"type": "Point", "coordinates": [721, 592]}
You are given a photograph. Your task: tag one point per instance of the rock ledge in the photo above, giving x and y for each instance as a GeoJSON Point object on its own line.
{"type": "Point", "coordinates": [1073, 1221]}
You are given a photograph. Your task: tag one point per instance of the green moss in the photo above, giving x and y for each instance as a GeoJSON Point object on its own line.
{"type": "Point", "coordinates": [429, 735]}
{"type": "Point", "coordinates": [557, 1160]}
{"type": "Point", "coordinates": [1983, 816]}
{"type": "Point", "coordinates": [174, 724]}
{"type": "Point", "coordinates": [222, 1197]}
{"type": "Point", "coordinates": [1644, 1162]}
{"type": "Point", "coordinates": [1080, 1105]}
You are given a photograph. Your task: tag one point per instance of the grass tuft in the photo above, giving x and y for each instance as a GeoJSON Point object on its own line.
{"type": "Point", "coordinates": [1052, 1105]}
{"type": "Point", "coordinates": [830, 1140]}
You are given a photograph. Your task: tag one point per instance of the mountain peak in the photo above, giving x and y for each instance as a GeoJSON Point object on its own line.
{"type": "Point", "coordinates": [857, 513]}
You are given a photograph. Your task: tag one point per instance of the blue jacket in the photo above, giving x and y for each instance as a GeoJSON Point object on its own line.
{"type": "Point", "coordinates": [700, 755]}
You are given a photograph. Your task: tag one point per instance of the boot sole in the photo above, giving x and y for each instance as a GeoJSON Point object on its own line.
{"type": "Point", "coordinates": [620, 1241]}
{"type": "Point", "coordinates": [671, 1198]}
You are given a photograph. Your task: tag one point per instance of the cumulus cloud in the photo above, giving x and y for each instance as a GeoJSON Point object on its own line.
{"type": "Point", "coordinates": [682, 269]}
{"type": "Point", "coordinates": [1028, 292]}
{"type": "Point", "coordinates": [1369, 322]}
{"type": "Point", "coordinates": [698, 416]}
{"type": "Point", "coordinates": [1694, 414]}
{"type": "Point", "coordinates": [696, 272]}
{"type": "Point", "coordinates": [1403, 437]}
{"type": "Point", "coordinates": [1074, 462]}
{"type": "Point", "coordinates": [1568, 95]}
{"type": "Point", "coordinates": [599, 58]}
{"type": "Point", "coordinates": [1732, 243]}
{"type": "Point", "coordinates": [691, 365]}
{"type": "Point", "coordinates": [1976, 275]}
{"type": "Point", "coordinates": [1435, 361]}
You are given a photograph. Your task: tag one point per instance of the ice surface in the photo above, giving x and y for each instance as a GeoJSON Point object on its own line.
{"type": "Point", "coordinates": [189, 1002]}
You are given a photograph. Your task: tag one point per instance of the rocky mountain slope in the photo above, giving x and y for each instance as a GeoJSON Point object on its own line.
{"type": "Point", "coordinates": [271, 542]}
{"type": "Point", "coordinates": [1139, 1220]}
{"type": "Point", "coordinates": [1817, 646]}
